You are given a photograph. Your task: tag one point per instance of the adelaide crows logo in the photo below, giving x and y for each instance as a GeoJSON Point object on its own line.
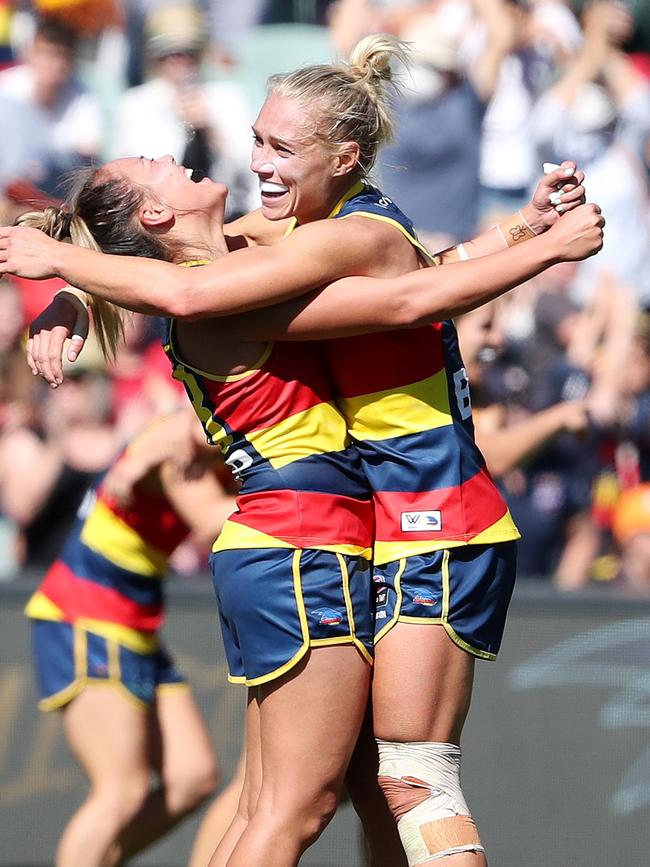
{"type": "Point", "coordinates": [328, 616]}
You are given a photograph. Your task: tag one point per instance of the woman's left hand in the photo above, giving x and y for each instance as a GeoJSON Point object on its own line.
{"type": "Point", "coordinates": [556, 193]}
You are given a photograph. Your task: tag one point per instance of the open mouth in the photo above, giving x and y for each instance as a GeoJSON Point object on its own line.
{"type": "Point", "coordinates": [195, 175]}
{"type": "Point", "coordinates": [271, 190]}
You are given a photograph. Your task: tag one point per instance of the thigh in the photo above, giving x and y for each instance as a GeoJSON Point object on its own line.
{"type": "Point", "coordinates": [108, 733]}
{"type": "Point", "coordinates": [422, 685]}
{"type": "Point", "coordinates": [310, 721]}
{"type": "Point", "coordinates": [179, 742]}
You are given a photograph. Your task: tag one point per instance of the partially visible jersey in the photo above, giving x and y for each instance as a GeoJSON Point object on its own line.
{"type": "Point", "coordinates": [108, 577]}
{"type": "Point", "coordinates": [302, 486]}
{"type": "Point", "coordinates": [405, 397]}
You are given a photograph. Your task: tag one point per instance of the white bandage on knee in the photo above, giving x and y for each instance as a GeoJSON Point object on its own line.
{"type": "Point", "coordinates": [421, 782]}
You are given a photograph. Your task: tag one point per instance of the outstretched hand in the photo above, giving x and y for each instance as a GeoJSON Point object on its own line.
{"type": "Point", "coordinates": [62, 319]}
{"type": "Point", "coordinates": [557, 193]}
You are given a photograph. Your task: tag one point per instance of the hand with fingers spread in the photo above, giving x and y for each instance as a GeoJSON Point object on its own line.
{"type": "Point", "coordinates": [65, 318]}
{"type": "Point", "coordinates": [557, 193]}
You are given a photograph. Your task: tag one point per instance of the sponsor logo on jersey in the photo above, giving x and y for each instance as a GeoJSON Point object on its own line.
{"type": "Point", "coordinates": [424, 597]}
{"type": "Point", "coordinates": [328, 616]}
{"type": "Point", "coordinates": [381, 615]}
{"type": "Point", "coordinates": [381, 597]}
{"type": "Point", "coordinates": [421, 522]}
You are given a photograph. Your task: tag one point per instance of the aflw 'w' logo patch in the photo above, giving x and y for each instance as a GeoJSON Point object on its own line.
{"type": "Point", "coordinates": [413, 522]}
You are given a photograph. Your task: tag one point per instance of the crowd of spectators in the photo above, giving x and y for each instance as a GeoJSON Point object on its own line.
{"type": "Point", "coordinates": [560, 369]}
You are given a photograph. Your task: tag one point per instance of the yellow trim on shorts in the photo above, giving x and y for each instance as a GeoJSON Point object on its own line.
{"type": "Point", "coordinates": [304, 628]}
{"type": "Point", "coordinates": [446, 593]}
{"type": "Point", "coordinates": [60, 699]}
{"type": "Point", "coordinates": [433, 621]}
{"type": "Point", "coordinates": [398, 604]}
{"type": "Point", "coordinates": [181, 686]}
{"type": "Point", "coordinates": [345, 577]}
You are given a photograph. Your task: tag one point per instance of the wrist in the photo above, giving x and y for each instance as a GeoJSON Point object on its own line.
{"type": "Point", "coordinates": [73, 296]}
{"type": "Point", "coordinates": [515, 229]}
{"type": "Point", "coordinates": [534, 219]}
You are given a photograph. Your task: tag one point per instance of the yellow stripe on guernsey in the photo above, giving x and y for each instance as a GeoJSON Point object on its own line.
{"type": "Point", "coordinates": [236, 535]}
{"type": "Point", "coordinates": [311, 431]}
{"type": "Point", "coordinates": [500, 531]}
{"type": "Point", "coordinates": [415, 408]}
{"type": "Point", "coordinates": [111, 537]}
{"type": "Point", "coordinates": [40, 607]}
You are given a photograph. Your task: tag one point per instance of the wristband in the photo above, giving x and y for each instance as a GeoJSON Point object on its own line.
{"type": "Point", "coordinates": [75, 295]}
{"type": "Point", "coordinates": [514, 230]}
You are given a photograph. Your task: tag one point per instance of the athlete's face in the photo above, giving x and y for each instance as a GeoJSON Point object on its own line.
{"type": "Point", "coordinates": [298, 175]}
{"type": "Point", "coordinates": [170, 185]}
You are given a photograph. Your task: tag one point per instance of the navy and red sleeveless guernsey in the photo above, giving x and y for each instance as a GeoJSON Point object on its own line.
{"type": "Point", "coordinates": [302, 486]}
{"type": "Point", "coordinates": [405, 397]}
{"type": "Point", "coordinates": [108, 578]}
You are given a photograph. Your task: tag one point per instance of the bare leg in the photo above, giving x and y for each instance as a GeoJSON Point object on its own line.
{"type": "Point", "coordinates": [423, 696]}
{"type": "Point", "coordinates": [218, 819]}
{"type": "Point", "coordinates": [309, 724]}
{"type": "Point", "coordinates": [181, 752]}
{"type": "Point", "coordinates": [108, 734]}
{"type": "Point", "coordinates": [382, 845]}
{"type": "Point", "coordinates": [250, 789]}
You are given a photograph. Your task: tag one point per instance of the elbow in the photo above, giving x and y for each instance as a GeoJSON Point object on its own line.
{"type": "Point", "coordinates": [405, 312]}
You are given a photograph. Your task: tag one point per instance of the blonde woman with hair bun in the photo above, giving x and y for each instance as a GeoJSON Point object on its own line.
{"type": "Point", "coordinates": [444, 540]}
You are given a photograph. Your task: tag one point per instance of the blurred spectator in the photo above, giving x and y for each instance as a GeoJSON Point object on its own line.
{"type": "Point", "coordinates": [6, 52]}
{"type": "Point", "coordinates": [599, 113]}
{"type": "Point", "coordinates": [85, 17]}
{"type": "Point", "coordinates": [547, 34]}
{"type": "Point", "coordinates": [48, 461]}
{"type": "Point", "coordinates": [24, 144]}
{"type": "Point", "coordinates": [69, 112]}
{"type": "Point", "coordinates": [432, 170]}
{"type": "Point", "coordinates": [205, 125]}
{"type": "Point", "coordinates": [632, 533]}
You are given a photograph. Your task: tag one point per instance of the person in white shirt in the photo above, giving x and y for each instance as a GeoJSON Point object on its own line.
{"type": "Point", "coordinates": [69, 112]}
{"type": "Point", "coordinates": [204, 125]}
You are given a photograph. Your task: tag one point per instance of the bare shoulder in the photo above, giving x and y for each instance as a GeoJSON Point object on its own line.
{"type": "Point", "coordinates": [256, 229]}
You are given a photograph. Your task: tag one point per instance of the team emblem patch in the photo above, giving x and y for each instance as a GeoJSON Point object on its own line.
{"type": "Point", "coordinates": [421, 522]}
{"type": "Point", "coordinates": [423, 597]}
{"type": "Point", "coordinates": [328, 616]}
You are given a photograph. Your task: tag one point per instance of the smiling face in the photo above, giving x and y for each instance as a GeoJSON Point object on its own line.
{"type": "Point", "coordinates": [299, 175]}
{"type": "Point", "coordinates": [170, 184]}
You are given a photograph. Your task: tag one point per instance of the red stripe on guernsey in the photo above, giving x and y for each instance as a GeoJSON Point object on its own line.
{"type": "Point", "coordinates": [307, 518]}
{"type": "Point", "coordinates": [79, 598]}
{"type": "Point", "coordinates": [151, 516]}
{"type": "Point", "coordinates": [273, 393]}
{"type": "Point", "coordinates": [389, 360]}
{"type": "Point", "coordinates": [465, 511]}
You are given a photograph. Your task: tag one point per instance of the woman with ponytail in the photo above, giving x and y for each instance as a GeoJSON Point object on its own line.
{"type": "Point", "coordinates": [443, 543]}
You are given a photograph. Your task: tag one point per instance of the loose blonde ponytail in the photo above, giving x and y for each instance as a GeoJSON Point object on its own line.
{"type": "Point", "coordinates": [62, 225]}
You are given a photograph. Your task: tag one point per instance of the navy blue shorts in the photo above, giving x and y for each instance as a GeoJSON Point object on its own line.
{"type": "Point", "coordinates": [276, 603]}
{"type": "Point", "coordinates": [465, 589]}
{"type": "Point", "coordinates": [68, 657]}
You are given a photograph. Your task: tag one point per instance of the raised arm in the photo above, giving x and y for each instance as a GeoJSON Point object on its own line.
{"type": "Point", "coordinates": [556, 193]}
{"type": "Point", "coordinates": [315, 254]}
{"type": "Point", "coordinates": [358, 305]}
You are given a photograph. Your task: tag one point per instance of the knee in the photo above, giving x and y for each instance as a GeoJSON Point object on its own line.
{"type": "Point", "coordinates": [188, 786]}
{"type": "Point", "coordinates": [421, 782]}
{"type": "Point", "coordinates": [305, 814]}
{"type": "Point", "coordinates": [121, 799]}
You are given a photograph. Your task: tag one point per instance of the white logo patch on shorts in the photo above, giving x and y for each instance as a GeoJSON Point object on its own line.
{"type": "Point", "coordinates": [414, 522]}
